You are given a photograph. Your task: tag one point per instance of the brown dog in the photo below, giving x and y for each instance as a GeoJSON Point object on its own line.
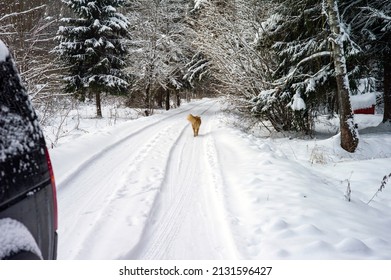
{"type": "Point", "coordinates": [195, 123]}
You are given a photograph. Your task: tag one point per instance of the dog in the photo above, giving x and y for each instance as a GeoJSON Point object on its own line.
{"type": "Point", "coordinates": [195, 123]}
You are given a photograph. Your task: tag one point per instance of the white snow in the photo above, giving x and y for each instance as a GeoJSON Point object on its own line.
{"type": "Point", "coordinates": [15, 237]}
{"type": "Point", "coordinates": [363, 101]}
{"type": "Point", "coordinates": [3, 51]}
{"type": "Point", "coordinates": [147, 189]}
{"type": "Point", "coordinates": [270, 25]}
{"type": "Point", "coordinates": [199, 3]}
{"type": "Point", "coordinates": [96, 23]}
{"type": "Point", "coordinates": [297, 103]}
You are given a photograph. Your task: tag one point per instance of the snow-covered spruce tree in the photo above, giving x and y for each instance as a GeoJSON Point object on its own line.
{"type": "Point", "coordinates": [93, 46]}
{"type": "Point", "coordinates": [348, 128]}
{"type": "Point", "coordinates": [300, 83]}
{"type": "Point", "coordinates": [159, 51]}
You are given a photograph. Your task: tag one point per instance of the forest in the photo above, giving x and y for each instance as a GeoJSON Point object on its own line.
{"type": "Point", "coordinates": [280, 63]}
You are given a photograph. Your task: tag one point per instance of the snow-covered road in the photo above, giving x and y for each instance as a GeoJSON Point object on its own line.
{"type": "Point", "coordinates": [147, 189]}
{"type": "Point", "coordinates": [152, 191]}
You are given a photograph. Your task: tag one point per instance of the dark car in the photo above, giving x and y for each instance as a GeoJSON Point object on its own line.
{"type": "Point", "coordinates": [28, 206]}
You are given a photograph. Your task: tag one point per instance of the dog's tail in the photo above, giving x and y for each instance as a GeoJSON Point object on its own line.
{"type": "Point", "coordinates": [190, 118]}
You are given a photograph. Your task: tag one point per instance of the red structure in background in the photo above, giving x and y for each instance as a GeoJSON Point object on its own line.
{"type": "Point", "coordinates": [363, 103]}
{"type": "Point", "coordinates": [366, 111]}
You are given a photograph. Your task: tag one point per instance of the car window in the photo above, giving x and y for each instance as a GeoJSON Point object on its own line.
{"type": "Point", "coordinates": [21, 140]}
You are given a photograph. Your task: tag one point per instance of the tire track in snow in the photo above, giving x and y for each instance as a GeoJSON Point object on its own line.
{"type": "Point", "coordinates": [188, 191]}
{"type": "Point", "coordinates": [165, 236]}
{"type": "Point", "coordinates": [81, 219]}
{"type": "Point", "coordinates": [85, 198]}
{"type": "Point", "coordinates": [155, 141]}
{"type": "Point", "coordinates": [162, 239]}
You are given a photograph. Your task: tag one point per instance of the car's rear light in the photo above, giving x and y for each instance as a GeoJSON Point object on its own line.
{"type": "Point", "coordinates": [53, 188]}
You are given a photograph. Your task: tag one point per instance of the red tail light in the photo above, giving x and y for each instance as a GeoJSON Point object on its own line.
{"type": "Point", "coordinates": [54, 191]}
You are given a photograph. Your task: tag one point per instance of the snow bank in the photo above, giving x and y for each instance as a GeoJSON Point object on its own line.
{"type": "Point", "coordinates": [363, 101]}
{"type": "Point", "coordinates": [3, 51]}
{"type": "Point", "coordinates": [286, 198]}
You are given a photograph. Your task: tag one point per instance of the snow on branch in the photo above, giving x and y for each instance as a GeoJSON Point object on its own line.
{"type": "Point", "coordinates": [271, 25]}
{"type": "Point", "coordinates": [310, 82]}
{"type": "Point", "coordinates": [380, 15]}
{"type": "Point", "coordinates": [297, 103]}
{"type": "Point", "coordinates": [199, 3]}
{"type": "Point", "coordinates": [22, 13]}
{"type": "Point", "coordinates": [311, 57]}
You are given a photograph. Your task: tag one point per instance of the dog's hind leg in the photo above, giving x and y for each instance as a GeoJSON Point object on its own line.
{"type": "Point", "coordinates": [194, 131]}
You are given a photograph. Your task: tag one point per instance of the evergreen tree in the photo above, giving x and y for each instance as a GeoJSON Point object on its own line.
{"type": "Point", "coordinates": [93, 46]}
{"type": "Point", "coordinates": [300, 83]}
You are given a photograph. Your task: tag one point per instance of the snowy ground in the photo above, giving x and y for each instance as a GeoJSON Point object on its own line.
{"type": "Point", "coordinates": [147, 189]}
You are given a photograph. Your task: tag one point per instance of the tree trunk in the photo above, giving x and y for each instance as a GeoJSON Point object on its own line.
{"type": "Point", "coordinates": [98, 105]}
{"type": "Point", "coordinates": [348, 128]}
{"type": "Point", "coordinates": [178, 99]}
{"type": "Point", "coordinates": [148, 98]}
{"type": "Point", "coordinates": [167, 99]}
{"type": "Point", "coordinates": [160, 96]}
{"type": "Point", "coordinates": [387, 88]}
